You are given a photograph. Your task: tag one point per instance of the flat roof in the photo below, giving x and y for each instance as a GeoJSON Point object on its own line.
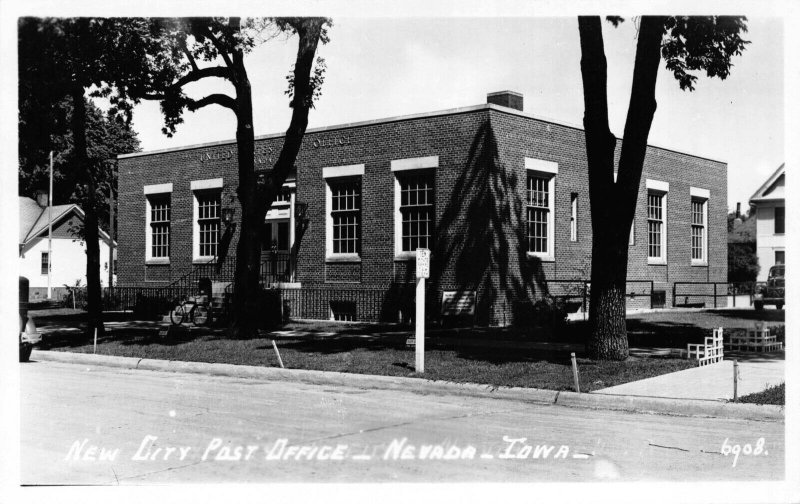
{"type": "Point", "coordinates": [421, 115]}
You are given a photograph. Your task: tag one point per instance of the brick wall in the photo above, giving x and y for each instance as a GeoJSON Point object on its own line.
{"type": "Point", "coordinates": [480, 207]}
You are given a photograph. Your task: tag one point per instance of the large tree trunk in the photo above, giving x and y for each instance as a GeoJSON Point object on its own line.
{"type": "Point", "coordinates": [613, 204]}
{"type": "Point", "coordinates": [256, 198]}
{"type": "Point", "coordinates": [244, 319]}
{"type": "Point", "coordinates": [90, 226]}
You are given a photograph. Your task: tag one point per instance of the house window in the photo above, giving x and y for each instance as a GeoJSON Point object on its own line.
{"type": "Point", "coordinates": [416, 209]}
{"type": "Point", "coordinates": [538, 214]}
{"type": "Point", "coordinates": [160, 209]}
{"type": "Point", "coordinates": [343, 212]}
{"type": "Point", "coordinates": [414, 204]}
{"type": "Point", "coordinates": [698, 231]}
{"type": "Point", "coordinates": [655, 226]}
{"type": "Point", "coordinates": [780, 220]}
{"type": "Point", "coordinates": [208, 223]}
{"type": "Point", "coordinates": [780, 257]}
{"type": "Point", "coordinates": [573, 217]}
{"type": "Point", "coordinates": [540, 198]}
{"type": "Point", "coordinates": [346, 215]}
{"type": "Point", "coordinates": [45, 263]}
{"type": "Point", "coordinates": [157, 217]}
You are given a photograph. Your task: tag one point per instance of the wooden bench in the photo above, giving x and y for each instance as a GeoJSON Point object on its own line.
{"type": "Point", "coordinates": [709, 352]}
{"type": "Point", "coordinates": [758, 339]}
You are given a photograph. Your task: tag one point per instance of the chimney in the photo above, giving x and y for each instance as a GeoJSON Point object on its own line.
{"type": "Point", "coordinates": [41, 199]}
{"type": "Point", "coordinates": [510, 99]}
{"type": "Point", "coordinates": [738, 209]}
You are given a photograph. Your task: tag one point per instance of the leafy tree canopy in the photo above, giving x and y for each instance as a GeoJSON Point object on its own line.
{"type": "Point", "coordinates": [192, 49]}
{"type": "Point", "coordinates": [106, 134]}
{"type": "Point", "coordinates": [692, 43]}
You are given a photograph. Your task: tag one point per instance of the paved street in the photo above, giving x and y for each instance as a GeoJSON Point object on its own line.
{"type": "Point", "coordinates": [96, 425]}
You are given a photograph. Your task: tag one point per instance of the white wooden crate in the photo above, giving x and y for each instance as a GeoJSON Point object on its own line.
{"type": "Point", "coordinates": [709, 352]}
{"type": "Point", "coordinates": [758, 339]}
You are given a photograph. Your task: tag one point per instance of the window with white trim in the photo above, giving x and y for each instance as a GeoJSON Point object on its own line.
{"type": "Point", "coordinates": [539, 214]}
{"type": "Point", "coordinates": [540, 211]}
{"type": "Point", "coordinates": [414, 204]}
{"type": "Point", "coordinates": [343, 212]}
{"type": "Point", "coordinates": [416, 208]}
{"type": "Point", "coordinates": [208, 222]}
{"type": "Point", "coordinates": [345, 194]}
{"type": "Point", "coordinates": [157, 217]}
{"type": "Point", "coordinates": [656, 231]}
{"type": "Point", "coordinates": [573, 217]}
{"type": "Point", "coordinates": [160, 210]}
{"type": "Point", "coordinates": [698, 230]}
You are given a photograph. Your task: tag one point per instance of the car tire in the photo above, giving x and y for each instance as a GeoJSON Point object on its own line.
{"type": "Point", "coordinates": [25, 352]}
{"type": "Point", "coordinates": [758, 305]}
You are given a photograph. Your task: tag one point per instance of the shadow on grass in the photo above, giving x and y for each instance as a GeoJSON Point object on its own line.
{"type": "Point", "coordinates": [664, 334]}
{"type": "Point", "coordinates": [756, 316]}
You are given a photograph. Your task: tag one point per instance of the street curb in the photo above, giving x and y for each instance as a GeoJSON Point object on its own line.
{"type": "Point", "coordinates": [633, 404]}
{"type": "Point", "coordinates": [330, 378]}
{"type": "Point", "coordinates": [678, 407]}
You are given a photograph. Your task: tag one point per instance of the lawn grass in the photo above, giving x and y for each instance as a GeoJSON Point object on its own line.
{"type": "Point", "coordinates": [386, 355]}
{"type": "Point", "coordinates": [380, 349]}
{"type": "Point", "coordinates": [772, 395]}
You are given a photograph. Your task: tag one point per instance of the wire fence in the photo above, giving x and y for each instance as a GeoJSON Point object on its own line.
{"type": "Point", "coordinates": [712, 294]}
{"type": "Point", "coordinates": [395, 302]}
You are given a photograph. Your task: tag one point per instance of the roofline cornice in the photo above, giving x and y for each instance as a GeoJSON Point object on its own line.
{"type": "Point", "coordinates": [373, 122]}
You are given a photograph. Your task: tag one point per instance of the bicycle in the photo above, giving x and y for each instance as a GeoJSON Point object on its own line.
{"type": "Point", "coordinates": [194, 309]}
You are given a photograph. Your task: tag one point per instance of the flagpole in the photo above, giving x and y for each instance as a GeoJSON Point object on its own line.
{"type": "Point", "coordinates": [50, 231]}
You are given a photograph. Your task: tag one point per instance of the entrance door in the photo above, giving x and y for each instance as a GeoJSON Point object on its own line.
{"type": "Point", "coordinates": [277, 251]}
{"type": "Point", "coordinates": [276, 236]}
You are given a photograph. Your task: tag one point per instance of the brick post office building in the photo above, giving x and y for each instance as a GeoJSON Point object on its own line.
{"type": "Point", "coordinates": [500, 198]}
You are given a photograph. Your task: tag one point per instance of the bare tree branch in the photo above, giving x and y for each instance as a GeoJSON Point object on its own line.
{"type": "Point", "coordinates": [190, 58]}
{"type": "Point", "coordinates": [202, 73]}
{"type": "Point", "coordinates": [214, 99]}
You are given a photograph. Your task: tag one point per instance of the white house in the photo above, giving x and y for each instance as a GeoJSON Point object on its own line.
{"type": "Point", "coordinates": [67, 257]}
{"type": "Point", "coordinates": [770, 205]}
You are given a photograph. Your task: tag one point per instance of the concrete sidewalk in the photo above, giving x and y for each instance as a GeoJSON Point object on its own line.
{"type": "Point", "coordinates": [711, 382]}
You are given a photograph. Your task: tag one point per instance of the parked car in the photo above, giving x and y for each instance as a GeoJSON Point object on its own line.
{"type": "Point", "coordinates": [773, 292]}
{"type": "Point", "coordinates": [28, 334]}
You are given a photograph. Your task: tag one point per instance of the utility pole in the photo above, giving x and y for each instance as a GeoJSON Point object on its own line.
{"type": "Point", "coordinates": [111, 242]}
{"type": "Point", "coordinates": [50, 232]}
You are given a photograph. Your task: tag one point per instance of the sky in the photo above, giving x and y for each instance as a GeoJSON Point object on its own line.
{"type": "Point", "coordinates": [385, 67]}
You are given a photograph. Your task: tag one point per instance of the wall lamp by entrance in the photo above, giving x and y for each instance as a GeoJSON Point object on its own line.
{"type": "Point", "coordinates": [227, 216]}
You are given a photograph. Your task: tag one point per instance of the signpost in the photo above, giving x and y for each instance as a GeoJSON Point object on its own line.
{"type": "Point", "coordinates": [423, 272]}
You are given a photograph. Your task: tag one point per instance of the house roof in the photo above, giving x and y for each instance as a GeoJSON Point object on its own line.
{"type": "Point", "coordinates": [772, 189]}
{"type": "Point", "coordinates": [33, 219]}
